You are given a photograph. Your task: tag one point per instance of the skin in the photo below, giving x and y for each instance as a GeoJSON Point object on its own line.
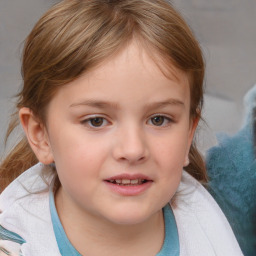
{"type": "Point", "coordinates": [143, 128]}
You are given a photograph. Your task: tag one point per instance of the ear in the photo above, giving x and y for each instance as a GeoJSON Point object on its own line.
{"type": "Point", "coordinates": [37, 135]}
{"type": "Point", "coordinates": [192, 130]}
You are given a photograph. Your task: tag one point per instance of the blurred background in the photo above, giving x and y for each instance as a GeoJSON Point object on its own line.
{"type": "Point", "coordinates": [226, 31]}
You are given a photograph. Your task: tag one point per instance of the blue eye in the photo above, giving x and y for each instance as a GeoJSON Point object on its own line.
{"type": "Point", "coordinates": [160, 120]}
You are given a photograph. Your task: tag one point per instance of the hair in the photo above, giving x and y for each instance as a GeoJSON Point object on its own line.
{"type": "Point", "coordinates": [75, 36]}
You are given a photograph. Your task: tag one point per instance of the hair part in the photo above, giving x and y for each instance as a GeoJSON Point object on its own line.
{"type": "Point", "coordinates": [75, 36]}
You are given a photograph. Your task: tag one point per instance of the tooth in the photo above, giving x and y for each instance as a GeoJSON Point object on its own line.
{"type": "Point", "coordinates": [126, 181]}
{"type": "Point", "coordinates": [135, 181]}
{"type": "Point", "coordinates": [112, 181]}
{"type": "Point", "coordinates": [118, 181]}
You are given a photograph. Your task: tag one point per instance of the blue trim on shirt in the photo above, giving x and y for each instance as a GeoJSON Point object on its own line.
{"type": "Point", "coordinates": [10, 236]}
{"type": "Point", "coordinates": [170, 247]}
{"type": "Point", "coordinates": [171, 244]}
{"type": "Point", "coordinates": [65, 246]}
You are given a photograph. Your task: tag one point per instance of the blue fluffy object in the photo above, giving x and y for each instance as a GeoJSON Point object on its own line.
{"type": "Point", "coordinates": [232, 178]}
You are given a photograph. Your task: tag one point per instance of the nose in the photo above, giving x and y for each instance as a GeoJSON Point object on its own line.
{"type": "Point", "coordinates": [131, 145]}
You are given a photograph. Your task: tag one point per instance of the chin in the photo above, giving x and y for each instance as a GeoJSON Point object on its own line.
{"type": "Point", "coordinates": [130, 217]}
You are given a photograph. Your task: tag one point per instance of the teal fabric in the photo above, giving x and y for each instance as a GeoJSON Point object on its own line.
{"type": "Point", "coordinates": [65, 247]}
{"type": "Point", "coordinates": [170, 246]}
{"type": "Point", "coordinates": [232, 172]}
{"type": "Point", "coordinates": [10, 236]}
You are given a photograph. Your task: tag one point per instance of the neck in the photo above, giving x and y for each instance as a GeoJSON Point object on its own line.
{"type": "Point", "coordinates": [92, 235]}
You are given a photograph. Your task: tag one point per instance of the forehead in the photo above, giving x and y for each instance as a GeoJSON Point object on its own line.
{"type": "Point", "coordinates": [138, 57]}
{"type": "Point", "coordinates": [131, 74]}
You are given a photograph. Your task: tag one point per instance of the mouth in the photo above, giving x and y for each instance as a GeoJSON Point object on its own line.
{"type": "Point", "coordinates": [128, 182]}
{"type": "Point", "coordinates": [129, 185]}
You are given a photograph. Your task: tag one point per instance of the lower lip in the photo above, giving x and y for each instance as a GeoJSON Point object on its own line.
{"type": "Point", "coordinates": [127, 190]}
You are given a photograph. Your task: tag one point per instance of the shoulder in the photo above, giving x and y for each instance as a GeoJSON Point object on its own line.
{"type": "Point", "coordinates": [24, 213]}
{"type": "Point", "coordinates": [200, 221]}
{"type": "Point", "coordinates": [27, 183]}
{"type": "Point", "coordinates": [24, 193]}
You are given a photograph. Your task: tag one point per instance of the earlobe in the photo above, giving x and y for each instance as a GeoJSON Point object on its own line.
{"type": "Point", "coordinates": [186, 162]}
{"type": "Point", "coordinates": [37, 135]}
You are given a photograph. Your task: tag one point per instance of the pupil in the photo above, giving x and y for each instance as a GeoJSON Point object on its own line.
{"type": "Point", "coordinates": [97, 121]}
{"type": "Point", "coordinates": [158, 120]}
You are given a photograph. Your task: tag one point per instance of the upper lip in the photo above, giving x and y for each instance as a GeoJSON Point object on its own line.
{"type": "Point", "coordinates": [129, 177]}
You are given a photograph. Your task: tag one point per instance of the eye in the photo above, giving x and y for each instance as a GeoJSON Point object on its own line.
{"type": "Point", "coordinates": [95, 122]}
{"type": "Point", "coordinates": [160, 120]}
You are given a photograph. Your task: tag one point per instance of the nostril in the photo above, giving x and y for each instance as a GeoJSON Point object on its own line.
{"type": "Point", "coordinates": [141, 158]}
{"type": "Point", "coordinates": [133, 159]}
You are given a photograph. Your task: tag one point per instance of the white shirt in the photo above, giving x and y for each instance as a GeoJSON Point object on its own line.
{"type": "Point", "coordinates": [203, 229]}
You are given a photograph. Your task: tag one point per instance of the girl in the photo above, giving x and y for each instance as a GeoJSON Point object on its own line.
{"type": "Point", "coordinates": [111, 99]}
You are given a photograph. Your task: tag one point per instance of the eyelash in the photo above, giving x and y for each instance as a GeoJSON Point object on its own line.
{"type": "Point", "coordinates": [104, 122]}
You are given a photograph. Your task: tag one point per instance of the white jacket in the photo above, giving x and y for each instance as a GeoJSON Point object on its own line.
{"type": "Point", "coordinates": [202, 227]}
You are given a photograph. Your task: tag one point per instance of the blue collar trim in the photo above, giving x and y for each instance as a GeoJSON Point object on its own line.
{"type": "Point", "coordinates": [170, 246]}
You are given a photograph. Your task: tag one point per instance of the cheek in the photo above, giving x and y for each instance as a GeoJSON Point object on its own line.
{"type": "Point", "coordinates": [78, 169]}
{"type": "Point", "coordinates": [70, 146]}
{"type": "Point", "coordinates": [79, 158]}
{"type": "Point", "coordinates": [171, 150]}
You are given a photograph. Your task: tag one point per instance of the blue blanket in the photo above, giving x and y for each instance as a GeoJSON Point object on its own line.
{"type": "Point", "coordinates": [232, 172]}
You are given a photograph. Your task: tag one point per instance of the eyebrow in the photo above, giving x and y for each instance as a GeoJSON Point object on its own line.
{"type": "Point", "coordinates": [168, 102]}
{"type": "Point", "coordinates": [106, 104]}
{"type": "Point", "coordinates": [96, 104]}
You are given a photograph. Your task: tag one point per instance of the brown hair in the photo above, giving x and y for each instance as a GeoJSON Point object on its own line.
{"type": "Point", "coordinates": [76, 35]}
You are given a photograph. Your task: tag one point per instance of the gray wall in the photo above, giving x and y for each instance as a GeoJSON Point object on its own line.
{"type": "Point", "coordinates": [227, 33]}
{"type": "Point", "coordinates": [225, 29]}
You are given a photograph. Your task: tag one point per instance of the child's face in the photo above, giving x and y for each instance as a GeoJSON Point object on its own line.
{"type": "Point", "coordinates": [119, 136]}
